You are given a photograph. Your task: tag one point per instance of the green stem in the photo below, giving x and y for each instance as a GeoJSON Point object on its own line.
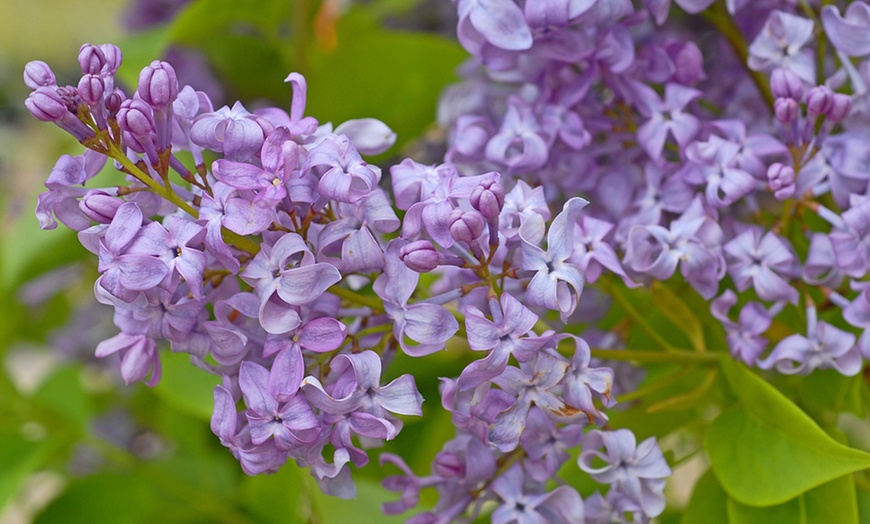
{"type": "Point", "coordinates": [362, 300]}
{"type": "Point", "coordinates": [719, 16]}
{"type": "Point", "coordinates": [658, 357]}
{"type": "Point", "coordinates": [656, 385]}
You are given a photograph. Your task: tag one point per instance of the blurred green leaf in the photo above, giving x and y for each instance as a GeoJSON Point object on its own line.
{"type": "Point", "coordinates": [18, 458]}
{"type": "Point", "coordinates": [709, 502]}
{"type": "Point", "coordinates": [63, 395]}
{"type": "Point", "coordinates": [679, 314]}
{"type": "Point", "coordinates": [279, 498]}
{"type": "Point", "coordinates": [186, 387]}
{"type": "Point", "coordinates": [140, 49]}
{"type": "Point", "coordinates": [364, 509]}
{"type": "Point", "coordinates": [831, 503]}
{"type": "Point", "coordinates": [765, 450]}
{"type": "Point", "coordinates": [107, 497]}
{"type": "Point", "coordinates": [393, 76]}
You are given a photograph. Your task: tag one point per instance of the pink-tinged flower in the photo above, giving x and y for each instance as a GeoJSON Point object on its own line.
{"type": "Point", "coordinates": [851, 33]}
{"type": "Point", "coordinates": [666, 116]}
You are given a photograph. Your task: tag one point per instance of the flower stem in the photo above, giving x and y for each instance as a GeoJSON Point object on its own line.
{"type": "Point", "coordinates": [658, 357]}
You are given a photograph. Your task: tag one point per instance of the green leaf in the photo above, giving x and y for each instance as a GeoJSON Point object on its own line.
{"type": "Point", "coordinates": [709, 502]}
{"type": "Point", "coordinates": [63, 394]}
{"type": "Point", "coordinates": [364, 509]}
{"type": "Point", "coordinates": [680, 314]}
{"type": "Point", "coordinates": [831, 503]}
{"type": "Point", "coordinates": [108, 497]}
{"type": "Point", "coordinates": [186, 387]}
{"type": "Point", "coordinates": [395, 77]}
{"type": "Point", "coordinates": [279, 498]}
{"type": "Point", "coordinates": [18, 458]}
{"type": "Point", "coordinates": [140, 49]}
{"type": "Point", "coordinates": [765, 450]}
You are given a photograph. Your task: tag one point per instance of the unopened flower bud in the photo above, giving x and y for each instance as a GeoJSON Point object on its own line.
{"type": "Point", "coordinates": [488, 198]}
{"type": "Point", "coordinates": [158, 84]}
{"type": "Point", "coordinates": [114, 57]}
{"type": "Point", "coordinates": [840, 107]}
{"type": "Point", "coordinates": [114, 100]}
{"type": "Point", "coordinates": [448, 465]}
{"type": "Point", "coordinates": [91, 88]}
{"type": "Point", "coordinates": [420, 256]}
{"type": "Point", "coordinates": [466, 226]}
{"type": "Point", "coordinates": [786, 110]}
{"type": "Point", "coordinates": [782, 180]}
{"type": "Point", "coordinates": [37, 73]}
{"type": "Point", "coordinates": [46, 104]}
{"type": "Point", "coordinates": [100, 206]}
{"type": "Point", "coordinates": [135, 117]}
{"type": "Point", "coordinates": [819, 100]}
{"type": "Point", "coordinates": [785, 84]}
{"type": "Point", "coordinates": [92, 59]}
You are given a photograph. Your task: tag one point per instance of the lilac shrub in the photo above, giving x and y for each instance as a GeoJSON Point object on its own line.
{"type": "Point", "coordinates": [591, 144]}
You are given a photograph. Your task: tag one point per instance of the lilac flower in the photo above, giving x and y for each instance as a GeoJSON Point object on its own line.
{"type": "Point", "coordinates": [519, 144]}
{"type": "Point", "coordinates": [714, 164]}
{"type": "Point", "coordinates": [850, 240]}
{"type": "Point", "coordinates": [428, 325]}
{"type": "Point", "coordinates": [546, 445]}
{"type": "Point", "coordinates": [234, 132]}
{"type": "Point", "coordinates": [780, 44]}
{"type": "Point", "coordinates": [583, 383]}
{"type": "Point", "coordinates": [370, 136]}
{"type": "Point", "coordinates": [849, 34]}
{"type": "Point", "coordinates": [359, 389]}
{"type": "Point", "coordinates": [126, 266]}
{"type": "Point", "coordinates": [298, 124]}
{"type": "Point", "coordinates": [557, 283]}
{"type": "Point", "coordinates": [287, 269]}
{"type": "Point", "coordinates": [274, 408]}
{"type": "Point", "coordinates": [591, 253]}
{"type": "Point", "coordinates": [666, 117]}
{"type": "Point", "coordinates": [344, 176]}
{"type": "Point", "coordinates": [499, 23]}
{"type": "Point", "coordinates": [139, 357]}
{"type": "Point", "coordinates": [758, 260]}
{"type": "Point", "coordinates": [532, 384]}
{"type": "Point", "coordinates": [352, 234]}
{"type": "Point", "coordinates": [520, 204]}
{"type": "Point", "coordinates": [61, 199]}
{"type": "Point", "coordinates": [745, 338]}
{"type": "Point", "coordinates": [504, 338]}
{"type": "Point", "coordinates": [639, 472]}
{"type": "Point", "coordinates": [560, 506]}
{"type": "Point", "coordinates": [691, 242]}
{"type": "Point", "coordinates": [225, 422]}
{"type": "Point", "coordinates": [824, 347]}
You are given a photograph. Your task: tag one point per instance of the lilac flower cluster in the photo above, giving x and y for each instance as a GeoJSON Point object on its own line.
{"type": "Point", "coordinates": [282, 267]}
{"type": "Point", "coordinates": [617, 104]}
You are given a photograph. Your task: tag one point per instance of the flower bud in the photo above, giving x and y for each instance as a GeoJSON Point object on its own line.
{"type": "Point", "coordinates": [100, 206]}
{"type": "Point", "coordinates": [91, 88]}
{"type": "Point", "coordinates": [37, 73]}
{"type": "Point", "coordinates": [114, 100]}
{"type": "Point", "coordinates": [466, 226]}
{"type": "Point", "coordinates": [448, 465]}
{"type": "Point", "coordinates": [688, 61]}
{"type": "Point", "coordinates": [786, 110]}
{"type": "Point", "coordinates": [819, 100]}
{"type": "Point", "coordinates": [114, 57]}
{"type": "Point", "coordinates": [785, 84]}
{"type": "Point", "coordinates": [420, 256]}
{"type": "Point", "coordinates": [158, 85]}
{"type": "Point", "coordinates": [136, 118]}
{"type": "Point", "coordinates": [488, 198]}
{"type": "Point", "coordinates": [45, 104]}
{"type": "Point", "coordinates": [840, 107]}
{"type": "Point", "coordinates": [781, 179]}
{"type": "Point", "coordinates": [92, 59]}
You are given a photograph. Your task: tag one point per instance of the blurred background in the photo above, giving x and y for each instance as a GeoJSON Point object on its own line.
{"type": "Point", "coordinates": [76, 444]}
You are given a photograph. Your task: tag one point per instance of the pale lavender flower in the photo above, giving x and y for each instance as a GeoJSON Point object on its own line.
{"type": "Point", "coordinates": [781, 44]}
{"type": "Point", "coordinates": [560, 506]}
{"type": "Point", "coordinates": [344, 175]}
{"type": "Point", "coordinates": [637, 471]}
{"type": "Point", "coordinates": [850, 34]}
{"type": "Point", "coordinates": [757, 261]}
{"type": "Point", "coordinates": [234, 132]}
{"type": "Point", "coordinates": [666, 116]}
{"type": "Point", "coordinates": [745, 338]}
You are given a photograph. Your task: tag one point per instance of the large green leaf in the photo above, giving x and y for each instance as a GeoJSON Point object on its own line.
{"type": "Point", "coordinates": [108, 497]}
{"type": "Point", "coordinates": [831, 503]}
{"type": "Point", "coordinates": [766, 451]}
{"type": "Point", "coordinates": [709, 502]}
{"type": "Point", "coordinates": [186, 387]}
